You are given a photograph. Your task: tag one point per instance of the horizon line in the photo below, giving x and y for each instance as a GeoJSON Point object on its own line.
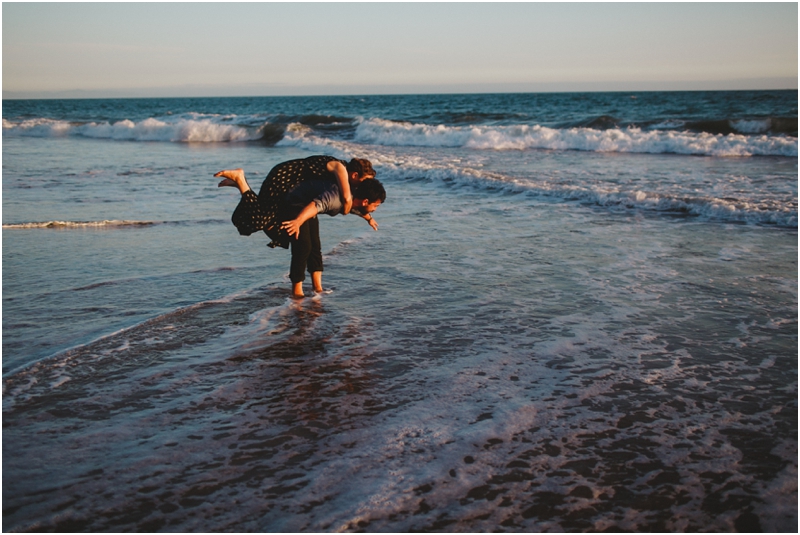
{"type": "Point", "coordinates": [285, 90]}
{"type": "Point", "coordinates": [322, 95]}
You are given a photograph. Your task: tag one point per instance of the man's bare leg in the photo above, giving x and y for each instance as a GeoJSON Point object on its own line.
{"type": "Point", "coordinates": [297, 290]}
{"type": "Point", "coordinates": [234, 178]}
{"type": "Point", "coordinates": [316, 279]}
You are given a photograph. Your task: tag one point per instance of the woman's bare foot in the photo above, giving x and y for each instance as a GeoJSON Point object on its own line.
{"type": "Point", "coordinates": [233, 178]}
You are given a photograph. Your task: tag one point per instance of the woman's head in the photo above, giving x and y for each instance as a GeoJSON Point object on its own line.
{"type": "Point", "coordinates": [363, 168]}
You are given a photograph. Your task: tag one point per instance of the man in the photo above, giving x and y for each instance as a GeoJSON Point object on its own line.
{"type": "Point", "coordinates": [298, 212]}
{"type": "Point", "coordinates": [318, 197]}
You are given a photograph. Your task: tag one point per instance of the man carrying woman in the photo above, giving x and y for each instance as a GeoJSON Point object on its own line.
{"type": "Point", "coordinates": [291, 197]}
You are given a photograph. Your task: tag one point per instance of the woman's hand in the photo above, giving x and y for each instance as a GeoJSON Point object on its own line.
{"type": "Point", "coordinates": [348, 204]}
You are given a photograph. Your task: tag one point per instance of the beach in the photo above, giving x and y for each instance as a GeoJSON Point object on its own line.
{"type": "Point", "coordinates": [579, 313]}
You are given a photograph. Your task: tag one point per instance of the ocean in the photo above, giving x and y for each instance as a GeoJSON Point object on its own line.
{"type": "Point", "coordinates": [579, 313]}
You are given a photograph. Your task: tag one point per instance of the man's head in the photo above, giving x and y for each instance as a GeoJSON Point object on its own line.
{"type": "Point", "coordinates": [368, 195]}
{"type": "Point", "coordinates": [359, 169]}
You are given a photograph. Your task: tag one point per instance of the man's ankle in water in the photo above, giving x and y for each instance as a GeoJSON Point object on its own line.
{"type": "Point", "coordinates": [297, 290]}
{"type": "Point", "coordinates": [316, 280]}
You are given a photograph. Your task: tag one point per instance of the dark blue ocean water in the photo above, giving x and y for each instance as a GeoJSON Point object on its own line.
{"type": "Point", "coordinates": [579, 313]}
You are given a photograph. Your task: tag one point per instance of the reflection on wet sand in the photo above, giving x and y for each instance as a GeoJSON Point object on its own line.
{"type": "Point", "coordinates": [183, 436]}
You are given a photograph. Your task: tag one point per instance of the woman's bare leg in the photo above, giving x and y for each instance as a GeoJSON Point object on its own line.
{"type": "Point", "coordinates": [234, 178]}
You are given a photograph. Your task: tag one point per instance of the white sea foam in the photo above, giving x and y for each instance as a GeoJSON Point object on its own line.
{"type": "Point", "coordinates": [403, 166]}
{"type": "Point", "coordinates": [752, 127]}
{"type": "Point", "coordinates": [668, 137]}
{"type": "Point", "coordinates": [184, 130]}
{"type": "Point", "coordinates": [603, 194]}
{"type": "Point", "coordinates": [520, 137]}
{"type": "Point", "coordinates": [113, 223]}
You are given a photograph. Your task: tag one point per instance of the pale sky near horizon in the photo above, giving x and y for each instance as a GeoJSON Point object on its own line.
{"type": "Point", "coordinates": [225, 49]}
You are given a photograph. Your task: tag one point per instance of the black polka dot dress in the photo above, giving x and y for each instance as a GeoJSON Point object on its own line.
{"type": "Point", "coordinates": [260, 212]}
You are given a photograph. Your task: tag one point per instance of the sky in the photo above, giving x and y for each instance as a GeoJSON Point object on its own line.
{"type": "Point", "coordinates": [58, 50]}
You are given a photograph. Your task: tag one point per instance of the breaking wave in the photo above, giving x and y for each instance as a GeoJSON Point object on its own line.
{"type": "Point", "coordinates": [201, 130]}
{"type": "Point", "coordinates": [520, 137]}
{"type": "Point", "coordinates": [113, 223]}
{"type": "Point", "coordinates": [740, 138]}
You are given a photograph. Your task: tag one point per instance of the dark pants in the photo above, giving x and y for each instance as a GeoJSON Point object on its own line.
{"type": "Point", "coordinates": [251, 216]}
{"type": "Point", "coordinates": [306, 251]}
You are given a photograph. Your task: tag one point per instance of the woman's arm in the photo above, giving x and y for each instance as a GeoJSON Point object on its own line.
{"type": "Point", "coordinates": [292, 227]}
{"type": "Point", "coordinates": [344, 184]}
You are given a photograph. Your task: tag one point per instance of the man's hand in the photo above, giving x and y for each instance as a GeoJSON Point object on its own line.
{"type": "Point", "coordinates": [292, 228]}
{"type": "Point", "coordinates": [373, 223]}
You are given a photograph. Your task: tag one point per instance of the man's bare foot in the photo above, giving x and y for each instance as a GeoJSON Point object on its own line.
{"type": "Point", "coordinates": [316, 281]}
{"type": "Point", "coordinates": [233, 178]}
{"type": "Point", "coordinates": [297, 290]}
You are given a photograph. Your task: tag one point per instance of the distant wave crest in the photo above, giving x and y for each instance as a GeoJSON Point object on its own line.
{"type": "Point", "coordinates": [520, 137]}
{"type": "Point", "coordinates": [186, 130]}
{"type": "Point", "coordinates": [113, 223]}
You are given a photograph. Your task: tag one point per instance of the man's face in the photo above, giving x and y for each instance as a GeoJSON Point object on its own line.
{"type": "Point", "coordinates": [372, 206]}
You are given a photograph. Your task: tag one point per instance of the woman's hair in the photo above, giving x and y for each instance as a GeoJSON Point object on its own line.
{"type": "Point", "coordinates": [372, 190]}
{"type": "Point", "coordinates": [360, 166]}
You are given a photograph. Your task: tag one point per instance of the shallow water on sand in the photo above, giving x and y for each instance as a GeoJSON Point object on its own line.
{"type": "Point", "coordinates": [591, 371]}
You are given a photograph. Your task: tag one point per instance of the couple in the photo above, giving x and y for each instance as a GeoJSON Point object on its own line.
{"type": "Point", "coordinates": [290, 198]}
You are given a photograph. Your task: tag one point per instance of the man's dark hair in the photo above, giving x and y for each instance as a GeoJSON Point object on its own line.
{"type": "Point", "coordinates": [360, 166]}
{"type": "Point", "coordinates": [370, 189]}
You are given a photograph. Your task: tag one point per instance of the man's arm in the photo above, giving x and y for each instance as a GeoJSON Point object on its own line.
{"type": "Point", "coordinates": [366, 217]}
{"type": "Point", "coordinates": [344, 184]}
{"type": "Point", "coordinates": [293, 227]}
{"type": "Point", "coordinates": [371, 220]}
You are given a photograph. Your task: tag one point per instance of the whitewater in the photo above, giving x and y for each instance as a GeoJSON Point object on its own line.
{"type": "Point", "coordinates": [659, 140]}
